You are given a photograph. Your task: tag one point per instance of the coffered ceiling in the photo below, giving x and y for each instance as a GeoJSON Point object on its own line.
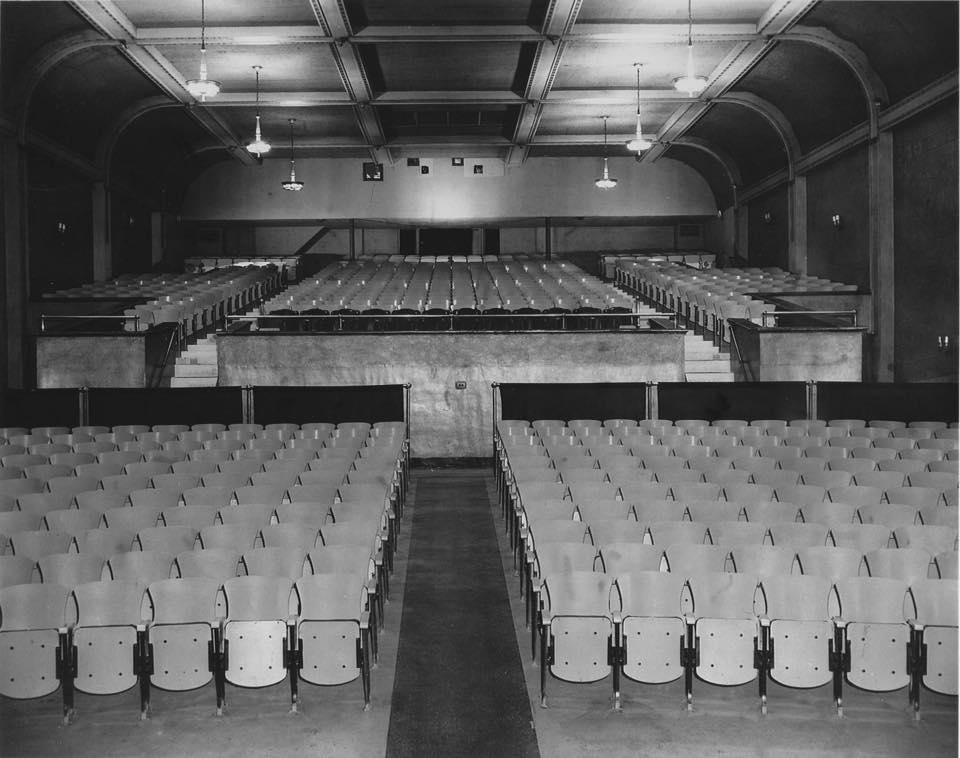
{"type": "Point", "coordinates": [105, 79]}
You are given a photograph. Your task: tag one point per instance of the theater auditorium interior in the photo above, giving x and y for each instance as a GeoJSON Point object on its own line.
{"type": "Point", "coordinates": [478, 377]}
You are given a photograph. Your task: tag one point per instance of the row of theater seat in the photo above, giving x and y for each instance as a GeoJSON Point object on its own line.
{"type": "Point", "coordinates": [574, 508]}
{"type": "Point", "coordinates": [507, 285]}
{"type": "Point", "coordinates": [283, 576]}
{"type": "Point", "coordinates": [708, 299]}
{"type": "Point", "coordinates": [730, 629]}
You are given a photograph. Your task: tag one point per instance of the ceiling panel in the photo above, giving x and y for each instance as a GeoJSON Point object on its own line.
{"type": "Point", "coordinates": [568, 119]}
{"type": "Point", "coordinates": [292, 68]}
{"type": "Point", "coordinates": [746, 137]}
{"type": "Point", "coordinates": [443, 66]}
{"type": "Point", "coordinates": [78, 100]}
{"type": "Point", "coordinates": [672, 11]}
{"type": "Point", "coordinates": [401, 122]}
{"type": "Point", "coordinates": [909, 44]}
{"type": "Point", "coordinates": [448, 12]}
{"type": "Point", "coordinates": [816, 91]}
{"type": "Point", "coordinates": [596, 64]}
{"type": "Point", "coordinates": [312, 124]}
{"type": "Point", "coordinates": [26, 28]}
{"type": "Point", "coordinates": [180, 13]}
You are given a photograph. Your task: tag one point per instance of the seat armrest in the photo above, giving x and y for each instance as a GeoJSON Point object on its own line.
{"type": "Point", "coordinates": [839, 622]}
{"type": "Point", "coordinates": [764, 620]}
{"type": "Point", "coordinates": [915, 625]}
{"type": "Point", "coordinates": [364, 620]}
{"type": "Point", "coordinates": [617, 617]}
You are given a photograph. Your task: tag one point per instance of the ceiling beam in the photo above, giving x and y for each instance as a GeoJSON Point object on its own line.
{"type": "Point", "coordinates": [559, 19]}
{"type": "Point", "coordinates": [874, 90]}
{"type": "Point", "coordinates": [107, 18]}
{"type": "Point", "coordinates": [332, 18]}
{"type": "Point", "coordinates": [779, 17]}
{"type": "Point", "coordinates": [626, 31]}
{"type": "Point", "coordinates": [720, 155]}
{"type": "Point", "coordinates": [773, 116]}
{"type": "Point", "coordinates": [112, 134]}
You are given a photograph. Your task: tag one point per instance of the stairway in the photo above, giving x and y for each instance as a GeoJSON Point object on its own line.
{"type": "Point", "coordinates": [197, 365]}
{"type": "Point", "coordinates": [703, 362]}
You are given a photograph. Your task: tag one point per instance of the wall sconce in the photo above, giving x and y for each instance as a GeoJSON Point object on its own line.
{"type": "Point", "coordinates": [767, 217]}
{"type": "Point", "coordinates": [944, 344]}
{"type": "Point", "coordinates": [837, 221]}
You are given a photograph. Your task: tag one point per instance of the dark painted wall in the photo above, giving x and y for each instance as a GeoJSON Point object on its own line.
{"type": "Point", "coordinates": [926, 234]}
{"type": "Point", "coordinates": [768, 242]}
{"type": "Point", "coordinates": [839, 187]}
{"type": "Point", "coordinates": [130, 237]}
{"type": "Point", "coordinates": [59, 231]}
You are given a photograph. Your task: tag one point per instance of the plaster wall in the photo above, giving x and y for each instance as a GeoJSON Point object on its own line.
{"type": "Point", "coordinates": [447, 421]}
{"type": "Point", "coordinates": [540, 187]}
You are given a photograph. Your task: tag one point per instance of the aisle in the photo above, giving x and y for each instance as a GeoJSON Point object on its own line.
{"type": "Point", "coordinates": [459, 688]}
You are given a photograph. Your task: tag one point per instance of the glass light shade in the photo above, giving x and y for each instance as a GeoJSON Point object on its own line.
{"type": "Point", "coordinates": [203, 87]}
{"type": "Point", "coordinates": [690, 82]}
{"type": "Point", "coordinates": [292, 184]}
{"type": "Point", "coordinates": [605, 182]}
{"type": "Point", "coordinates": [259, 146]}
{"type": "Point", "coordinates": [639, 143]}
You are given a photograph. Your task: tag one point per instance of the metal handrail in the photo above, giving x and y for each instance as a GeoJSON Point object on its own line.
{"type": "Point", "coordinates": [736, 346]}
{"type": "Point", "coordinates": [777, 314]}
{"type": "Point", "coordinates": [44, 317]}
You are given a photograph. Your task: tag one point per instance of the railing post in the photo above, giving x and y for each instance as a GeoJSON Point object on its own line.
{"type": "Point", "coordinates": [83, 406]}
{"type": "Point", "coordinates": [653, 400]}
{"type": "Point", "coordinates": [812, 410]}
{"type": "Point", "coordinates": [246, 404]}
{"type": "Point", "coordinates": [495, 406]}
{"type": "Point", "coordinates": [406, 410]}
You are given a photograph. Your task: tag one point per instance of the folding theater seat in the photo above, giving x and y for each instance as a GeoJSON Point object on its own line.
{"type": "Point", "coordinates": [908, 564]}
{"type": "Point", "coordinates": [70, 520]}
{"type": "Point", "coordinates": [647, 627]}
{"type": "Point", "coordinates": [143, 566]}
{"type": "Point", "coordinates": [33, 636]}
{"type": "Point", "coordinates": [70, 569]}
{"type": "Point", "coordinates": [109, 650]}
{"type": "Point", "coordinates": [933, 638]}
{"type": "Point", "coordinates": [870, 635]}
{"type": "Point", "coordinates": [576, 628]}
{"type": "Point", "coordinates": [796, 632]}
{"type": "Point", "coordinates": [619, 558]}
{"type": "Point", "coordinates": [332, 633]}
{"type": "Point", "coordinates": [253, 650]}
{"type": "Point", "coordinates": [762, 560]}
{"type": "Point", "coordinates": [723, 630]}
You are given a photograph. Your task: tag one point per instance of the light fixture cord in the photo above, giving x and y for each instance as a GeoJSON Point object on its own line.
{"type": "Point", "coordinates": [203, 26]}
{"type": "Point", "coordinates": [257, 72]}
{"type": "Point", "coordinates": [689, 23]}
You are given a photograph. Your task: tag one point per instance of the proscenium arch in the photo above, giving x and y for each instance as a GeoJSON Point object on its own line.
{"type": "Point", "coordinates": [773, 116]}
{"type": "Point", "coordinates": [874, 90]}
{"type": "Point", "coordinates": [721, 156]}
{"type": "Point", "coordinates": [42, 62]}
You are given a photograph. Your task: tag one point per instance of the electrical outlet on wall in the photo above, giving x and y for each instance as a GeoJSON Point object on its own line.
{"type": "Point", "coordinates": [460, 385]}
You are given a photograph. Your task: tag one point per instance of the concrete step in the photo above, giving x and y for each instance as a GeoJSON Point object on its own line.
{"type": "Point", "coordinates": [201, 349]}
{"type": "Point", "coordinates": [706, 366]}
{"type": "Point", "coordinates": [714, 377]}
{"type": "Point", "coordinates": [196, 370]}
{"type": "Point", "coordinates": [193, 381]}
{"type": "Point", "coordinates": [196, 360]}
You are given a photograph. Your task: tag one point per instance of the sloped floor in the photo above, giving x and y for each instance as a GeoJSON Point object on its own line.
{"type": "Point", "coordinates": [580, 720]}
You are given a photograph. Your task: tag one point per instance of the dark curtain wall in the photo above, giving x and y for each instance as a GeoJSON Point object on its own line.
{"type": "Point", "coordinates": [925, 238]}
{"type": "Point", "coordinates": [768, 242]}
{"type": "Point", "coordinates": [59, 226]}
{"type": "Point", "coordinates": [840, 187]}
{"type": "Point", "coordinates": [130, 237]}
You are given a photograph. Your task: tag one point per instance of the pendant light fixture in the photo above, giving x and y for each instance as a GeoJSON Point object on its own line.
{"type": "Point", "coordinates": [690, 82]}
{"type": "Point", "coordinates": [292, 184]}
{"type": "Point", "coordinates": [259, 146]}
{"type": "Point", "coordinates": [639, 143]}
{"type": "Point", "coordinates": [605, 182]}
{"type": "Point", "coordinates": [203, 88]}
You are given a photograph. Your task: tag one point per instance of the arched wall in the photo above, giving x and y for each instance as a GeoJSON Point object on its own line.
{"type": "Point", "coordinates": [540, 187]}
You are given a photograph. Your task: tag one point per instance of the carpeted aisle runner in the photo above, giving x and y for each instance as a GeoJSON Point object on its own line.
{"type": "Point", "coordinates": [459, 688]}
